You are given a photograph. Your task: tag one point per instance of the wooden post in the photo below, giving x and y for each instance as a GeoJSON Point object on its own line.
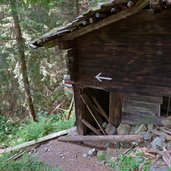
{"type": "Point", "coordinates": [115, 108]}
{"type": "Point", "coordinates": [79, 109]}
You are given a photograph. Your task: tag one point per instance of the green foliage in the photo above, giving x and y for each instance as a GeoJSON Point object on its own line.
{"type": "Point", "coordinates": [7, 128]}
{"type": "Point", "coordinates": [128, 163]}
{"type": "Point", "coordinates": [101, 155]}
{"type": "Point", "coordinates": [46, 124]}
{"type": "Point", "coordinates": [12, 134]}
{"type": "Point", "coordinates": [35, 130]}
{"type": "Point", "coordinates": [26, 163]}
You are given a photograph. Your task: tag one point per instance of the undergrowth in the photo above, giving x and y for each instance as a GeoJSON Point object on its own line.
{"type": "Point", "coordinates": [129, 163]}
{"type": "Point", "coordinates": [26, 163]}
{"type": "Point", "coordinates": [12, 134]}
{"type": "Point", "coordinates": [134, 161]}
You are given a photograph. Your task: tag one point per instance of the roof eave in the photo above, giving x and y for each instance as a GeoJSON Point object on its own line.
{"type": "Point", "coordinates": [51, 39]}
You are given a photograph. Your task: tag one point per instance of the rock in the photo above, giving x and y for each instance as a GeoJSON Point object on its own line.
{"type": "Point", "coordinates": [101, 162]}
{"type": "Point", "coordinates": [73, 157]}
{"type": "Point", "coordinates": [146, 135]}
{"type": "Point", "coordinates": [153, 168]}
{"type": "Point", "coordinates": [134, 128]}
{"type": "Point", "coordinates": [62, 155]}
{"type": "Point", "coordinates": [85, 155]}
{"type": "Point", "coordinates": [92, 152]}
{"type": "Point", "coordinates": [110, 129]}
{"type": "Point", "coordinates": [166, 122]}
{"type": "Point", "coordinates": [169, 145]}
{"type": "Point", "coordinates": [163, 168]}
{"type": "Point", "coordinates": [141, 128]}
{"type": "Point", "coordinates": [150, 127]}
{"type": "Point", "coordinates": [158, 143]}
{"type": "Point", "coordinates": [130, 4]}
{"type": "Point", "coordinates": [124, 129]}
{"type": "Point", "coordinates": [104, 125]}
{"type": "Point", "coordinates": [134, 144]}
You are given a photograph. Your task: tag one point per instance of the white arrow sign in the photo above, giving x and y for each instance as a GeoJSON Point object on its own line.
{"type": "Point", "coordinates": [99, 78]}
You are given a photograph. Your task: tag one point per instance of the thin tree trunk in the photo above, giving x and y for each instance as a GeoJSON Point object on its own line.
{"type": "Point", "coordinates": [21, 55]}
{"type": "Point", "coordinates": [77, 7]}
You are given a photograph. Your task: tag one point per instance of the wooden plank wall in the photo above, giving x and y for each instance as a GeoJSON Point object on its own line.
{"type": "Point", "coordinates": [134, 52]}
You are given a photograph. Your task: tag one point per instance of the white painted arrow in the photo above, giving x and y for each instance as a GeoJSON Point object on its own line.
{"type": "Point", "coordinates": [99, 78]}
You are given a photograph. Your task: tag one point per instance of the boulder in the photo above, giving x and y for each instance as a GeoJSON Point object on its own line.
{"type": "Point", "coordinates": [124, 129]}
{"type": "Point", "coordinates": [158, 143]}
{"type": "Point", "coordinates": [141, 128]}
{"type": "Point", "coordinates": [110, 129]}
{"type": "Point", "coordinates": [166, 122]}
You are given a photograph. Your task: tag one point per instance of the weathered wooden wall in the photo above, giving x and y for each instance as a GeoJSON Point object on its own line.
{"type": "Point", "coordinates": [135, 52]}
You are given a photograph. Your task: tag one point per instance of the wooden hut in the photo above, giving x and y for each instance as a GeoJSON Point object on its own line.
{"type": "Point", "coordinates": [119, 60]}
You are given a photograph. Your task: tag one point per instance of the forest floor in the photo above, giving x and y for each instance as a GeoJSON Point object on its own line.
{"type": "Point", "coordinates": [69, 157]}
{"type": "Point", "coordinates": [73, 157]}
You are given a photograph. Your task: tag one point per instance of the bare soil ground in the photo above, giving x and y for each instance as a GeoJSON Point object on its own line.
{"type": "Point", "coordinates": [69, 157]}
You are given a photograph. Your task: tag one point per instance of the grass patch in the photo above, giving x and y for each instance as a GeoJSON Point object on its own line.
{"type": "Point", "coordinates": [129, 163]}
{"type": "Point", "coordinates": [45, 125]}
{"type": "Point", "coordinates": [101, 155]}
{"type": "Point", "coordinates": [26, 163]}
{"type": "Point", "coordinates": [12, 134]}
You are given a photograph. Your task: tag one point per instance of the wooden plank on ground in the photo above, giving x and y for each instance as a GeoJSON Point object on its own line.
{"type": "Point", "coordinates": [115, 108]}
{"type": "Point", "coordinates": [102, 138]}
{"type": "Point", "coordinates": [93, 111]}
{"type": "Point", "coordinates": [39, 140]}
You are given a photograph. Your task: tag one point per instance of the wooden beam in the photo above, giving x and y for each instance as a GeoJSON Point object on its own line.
{"type": "Point", "coordinates": [102, 138]}
{"type": "Point", "coordinates": [79, 110]}
{"type": "Point", "coordinates": [100, 109]}
{"type": "Point", "coordinates": [115, 108]}
{"type": "Point", "coordinates": [97, 132]}
{"type": "Point", "coordinates": [93, 112]}
{"type": "Point", "coordinates": [72, 64]}
{"type": "Point", "coordinates": [111, 19]}
{"type": "Point", "coordinates": [39, 140]}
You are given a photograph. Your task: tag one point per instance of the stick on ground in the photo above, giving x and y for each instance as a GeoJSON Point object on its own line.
{"type": "Point", "coordinates": [39, 140]}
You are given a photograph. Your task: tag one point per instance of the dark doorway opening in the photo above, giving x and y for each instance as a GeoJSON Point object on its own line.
{"type": "Point", "coordinates": [96, 110]}
{"type": "Point", "coordinates": [166, 106]}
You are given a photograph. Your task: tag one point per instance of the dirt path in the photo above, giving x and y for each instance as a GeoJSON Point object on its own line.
{"type": "Point", "coordinates": [69, 157]}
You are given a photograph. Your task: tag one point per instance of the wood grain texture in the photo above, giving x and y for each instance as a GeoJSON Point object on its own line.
{"type": "Point", "coordinates": [134, 52]}
{"type": "Point", "coordinates": [102, 138]}
{"type": "Point", "coordinates": [115, 108]}
{"type": "Point", "coordinates": [79, 111]}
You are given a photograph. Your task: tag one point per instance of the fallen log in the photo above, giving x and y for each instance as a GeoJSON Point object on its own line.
{"type": "Point", "coordinates": [103, 138]}
{"type": "Point", "coordinates": [155, 152]}
{"type": "Point", "coordinates": [39, 140]}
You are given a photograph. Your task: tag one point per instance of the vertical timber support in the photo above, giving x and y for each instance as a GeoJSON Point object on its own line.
{"type": "Point", "coordinates": [115, 108]}
{"type": "Point", "coordinates": [80, 110]}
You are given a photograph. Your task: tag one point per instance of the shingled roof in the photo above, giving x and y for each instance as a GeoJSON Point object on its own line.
{"type": "Point", "coordinates": [90, 21]}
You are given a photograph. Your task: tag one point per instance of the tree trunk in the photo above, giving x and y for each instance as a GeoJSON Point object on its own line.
{"type": "Point", "coordinates": [21, 55]}
{"type": "Point", "coordinates": [77, 7]}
